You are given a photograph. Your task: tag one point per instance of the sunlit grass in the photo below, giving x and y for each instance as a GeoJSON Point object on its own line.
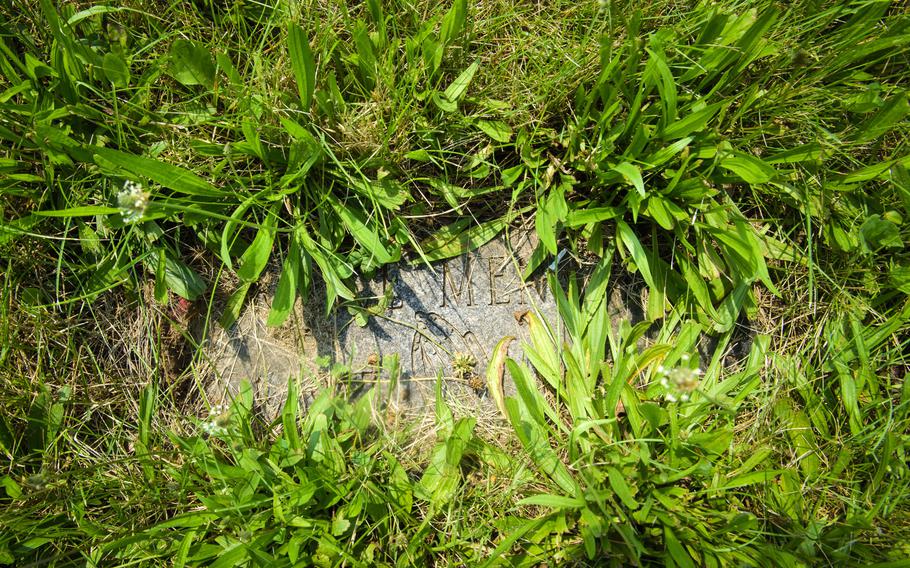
{"type": "Point", "coordinates": [748, 161]}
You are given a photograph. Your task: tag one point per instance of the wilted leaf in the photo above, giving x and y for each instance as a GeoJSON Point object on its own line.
{"type": "Point", "coordinates": [495, 372]}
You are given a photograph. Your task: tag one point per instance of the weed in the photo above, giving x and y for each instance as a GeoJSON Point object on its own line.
{"type": "Point", "coordinates": [748, 162]}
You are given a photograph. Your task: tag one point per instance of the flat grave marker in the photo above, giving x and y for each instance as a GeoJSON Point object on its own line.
{"type": "Point", "coordinates": [460, 306]}
{"type": "Point", "coordinates": [428, 315]}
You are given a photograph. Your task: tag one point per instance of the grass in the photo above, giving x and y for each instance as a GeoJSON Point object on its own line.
{"type": "Point", "coordinates": [748, 161]}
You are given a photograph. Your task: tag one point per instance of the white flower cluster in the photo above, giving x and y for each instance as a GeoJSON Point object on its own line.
{"type": "Point", "coordinates": [132, 201]}
{"type": "Point", "coordinates": [218, 421]}
{"type": "Point", "coordinates": [679, 382]}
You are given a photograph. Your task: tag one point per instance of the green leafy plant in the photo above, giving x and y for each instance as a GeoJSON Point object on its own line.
{"type": "Point", "coordinates": [748, 164]}
{"type": "Point", "coordinates": [634, 473]}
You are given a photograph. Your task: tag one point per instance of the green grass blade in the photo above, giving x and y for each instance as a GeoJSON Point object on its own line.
{"type": "Point", "coordinates": [632, 175]}
{"type": "Point", "coordinates": [459, 86]}
{"type": "Point", "coordinates": [256, 256]}
{"type": "Point", "coordinates": [894, 111]}
{"type": "Point", "coordinates": [303, 63]}
{"type": "Point", "coordinates": [354, 221]}
{"type": "Point", "coordinates": [170, 176]}
{"type": "Point", "coordinates": [286, 291]}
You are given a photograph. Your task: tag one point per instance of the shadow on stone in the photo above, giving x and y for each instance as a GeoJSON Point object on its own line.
{"type": "Point", "coordinates": [460, 308]}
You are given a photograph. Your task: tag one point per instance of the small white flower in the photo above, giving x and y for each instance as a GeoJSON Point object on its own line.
{"type": "Point", "coordinates": [37, 481]}
{"type": "Point", "coordinates": [132, 201]}
{"type": "Point", "coordinates": [679, 382]}
{"type": "Point", "coordinates": [218, 421]}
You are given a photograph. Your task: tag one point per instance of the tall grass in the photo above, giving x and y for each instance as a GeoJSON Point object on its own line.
{"type": "Point", "coordinates": [748, 161]}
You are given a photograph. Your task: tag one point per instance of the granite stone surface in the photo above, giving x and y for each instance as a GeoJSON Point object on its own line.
{"type": "Point", "coordinates": [461, 306]}
{"type": "Point", "coordinates": [426, 315]}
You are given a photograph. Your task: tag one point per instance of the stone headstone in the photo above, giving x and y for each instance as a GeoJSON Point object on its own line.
{"type": "Point", "coordinates": [461, 306]}
{"type": "Point", "coordinates": [429, 316]}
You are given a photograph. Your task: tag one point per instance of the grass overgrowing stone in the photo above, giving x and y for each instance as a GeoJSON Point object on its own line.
{"type": "Point", "coordinates": [747, 162]}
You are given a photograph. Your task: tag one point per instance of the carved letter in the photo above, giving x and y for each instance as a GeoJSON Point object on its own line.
{"type": "Point", "coordinates": [465, 281]}
{"type": "Point", "coordinates": [495, 272]}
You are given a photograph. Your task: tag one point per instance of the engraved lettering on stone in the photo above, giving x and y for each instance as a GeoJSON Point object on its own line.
{"type": "Point", "coordinates": [431, 333]}
{"type": "Point", "coordinates": [461, 305]}
{"type": "Point", "coordinates": [424, 350]}
{"type": "Point", "coordinates": [457, 292]}
{"type": "Point", "coordinates": [496, 266]}
{"type": "Point", "coordinates": [436, 340]}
